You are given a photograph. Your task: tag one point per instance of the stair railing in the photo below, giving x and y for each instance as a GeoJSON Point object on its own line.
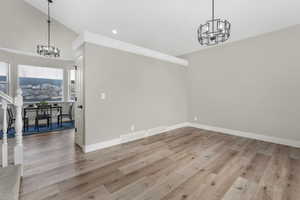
{"type": "Point", "coordinates": [17, 102]}
{"type": "Point", "coordinates": [4, 136]}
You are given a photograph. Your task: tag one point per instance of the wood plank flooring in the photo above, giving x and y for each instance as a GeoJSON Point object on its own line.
{"type": "Point", "coordinates": [184, 164]}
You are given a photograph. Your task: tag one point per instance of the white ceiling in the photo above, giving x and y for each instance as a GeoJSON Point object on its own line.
{"type": "Point", "coordinates": [170, 26]}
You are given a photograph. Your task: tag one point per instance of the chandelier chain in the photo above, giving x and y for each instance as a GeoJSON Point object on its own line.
{"type": "Point", "coordinates": [48, 50]}
{"type": "Point", "coordinates": [213, 14]}
{"type": "Point", "coordinates": [49, 24]}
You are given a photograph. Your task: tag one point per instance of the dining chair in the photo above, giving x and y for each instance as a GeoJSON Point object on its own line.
{"type": "Point", "coordinates": [68, 115]}
{"type": "Point", "coordinates": [43, 112]}
{"type": "Point", "coordinates": [56, 111]}
{"type": "Point", "coordinates": [12, 119]}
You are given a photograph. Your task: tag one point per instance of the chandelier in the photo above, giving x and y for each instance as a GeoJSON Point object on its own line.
{"type": "Point", "coordinates": [48, 50]}
{"type": "Point", "coordinates": [214, 31]}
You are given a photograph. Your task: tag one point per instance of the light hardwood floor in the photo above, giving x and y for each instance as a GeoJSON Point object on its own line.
{"type": "Point", "coordinates": [184, 164]}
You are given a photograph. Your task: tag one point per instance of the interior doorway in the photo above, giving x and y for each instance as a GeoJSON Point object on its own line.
{"type": "Point", "coordinates": [79, 102]}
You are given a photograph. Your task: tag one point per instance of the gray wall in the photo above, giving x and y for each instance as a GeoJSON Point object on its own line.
{"type": "Point", "coordinates": [250, 85]}
{"type": "Point", "coordinates": [23, 27]}
{"type": "Point", "coordinates": [142, 91]}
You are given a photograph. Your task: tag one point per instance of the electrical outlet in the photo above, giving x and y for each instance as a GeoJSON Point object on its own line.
{"type": "Point", "coordinates": [132, 127]}
{"type": "Point", "coordinates": [103, 96]}
{"type": "Point", "coordinates": [195, 118]}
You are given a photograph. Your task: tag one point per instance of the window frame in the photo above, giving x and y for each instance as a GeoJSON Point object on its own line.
{"type": "Point", "coordinates": [8, 79]}
{"type": "Point", "coordinates": [69, 85]}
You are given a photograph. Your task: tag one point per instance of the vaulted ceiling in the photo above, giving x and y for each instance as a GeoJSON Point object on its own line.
{"type": "Point", "coordinates": [170, 26]}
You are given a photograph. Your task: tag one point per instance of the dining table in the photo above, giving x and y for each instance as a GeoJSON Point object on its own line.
{"type": "Point", "coordinates": [34, 109]}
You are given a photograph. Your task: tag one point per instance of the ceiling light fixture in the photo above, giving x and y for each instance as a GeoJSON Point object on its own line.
{"type": "Point", "coordinates": [48, 50]}
{"type": "Point", "coordinates": [214, 31]}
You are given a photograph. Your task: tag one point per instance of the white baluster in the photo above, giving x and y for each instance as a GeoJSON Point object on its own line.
{"type": "Point", "coordinates": [19, 127]}
{"type": "Point", "coordinates": [4, 138]}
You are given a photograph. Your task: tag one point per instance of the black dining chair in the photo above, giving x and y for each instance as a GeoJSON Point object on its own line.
{"type": "Point", "coordinates": [68, 115]}
{"type": "Point", "coordinates": [56, 111]}
{"type": "Point", "coordinates": [43, 112]}
{"type": "Point", "coordinates": [12, 120]}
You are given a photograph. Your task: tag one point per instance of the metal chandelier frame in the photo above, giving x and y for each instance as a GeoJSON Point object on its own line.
{"type": "Point", "coordinates": [214, 31]}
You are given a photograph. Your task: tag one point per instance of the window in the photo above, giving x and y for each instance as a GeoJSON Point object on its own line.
{"type": "Point", "coordinates": [72, 86]}
{"type": "Point", "coordinates": [4, 69]}
{"type": "Point", "coordinates": [41, 83]}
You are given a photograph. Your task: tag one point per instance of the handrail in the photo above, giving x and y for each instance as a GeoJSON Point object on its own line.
{"type": "Point", "coordinates": [4, 136]}
{"type": "Point", "coordinates": [6, 97]}
{"type": "Point", "coordinates": [17, 101]}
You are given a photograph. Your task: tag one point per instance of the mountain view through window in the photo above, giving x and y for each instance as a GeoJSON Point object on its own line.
{"type": "Point", "coordinates": [4, 77]}
{"type": "Point", "coordinates": [41, 83]}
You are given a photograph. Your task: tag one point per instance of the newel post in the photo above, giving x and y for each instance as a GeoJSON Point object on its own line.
{"type": "Point", "coordinates": [19, 127]}
{"type": "Point", "coordinates": [4, 138]}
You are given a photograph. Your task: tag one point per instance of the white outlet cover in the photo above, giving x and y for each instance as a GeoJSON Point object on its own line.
{"type": "Point", "coordinates": [195, 118]}
{"type": "Point", "coordinates": [103, 96]}
{"type": "Point", "coordinates": [132, 127]}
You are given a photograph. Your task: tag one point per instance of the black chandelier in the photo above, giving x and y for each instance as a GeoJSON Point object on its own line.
{"type": "Point", "coordinates": [214, 31]}
{"type": "Point", "coordinates": [48, 50]}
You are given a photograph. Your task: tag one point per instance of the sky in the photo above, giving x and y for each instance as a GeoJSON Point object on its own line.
{"type": "Point", "coordinates": [40, 72]}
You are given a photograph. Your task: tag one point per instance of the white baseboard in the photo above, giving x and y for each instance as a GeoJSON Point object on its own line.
{"type": "Point", "coordinates": [276, 140]}
{"type": "Point", "coordinates": [161, 129]}
{"type": "Point", "coordinates": [176, 126]}
{"type": "Point", "coordinates": [132, 136]}
{"type": "Point", "coordinates": [157, 130]}
{"type": "Point", "coordinates": [101, 145]}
